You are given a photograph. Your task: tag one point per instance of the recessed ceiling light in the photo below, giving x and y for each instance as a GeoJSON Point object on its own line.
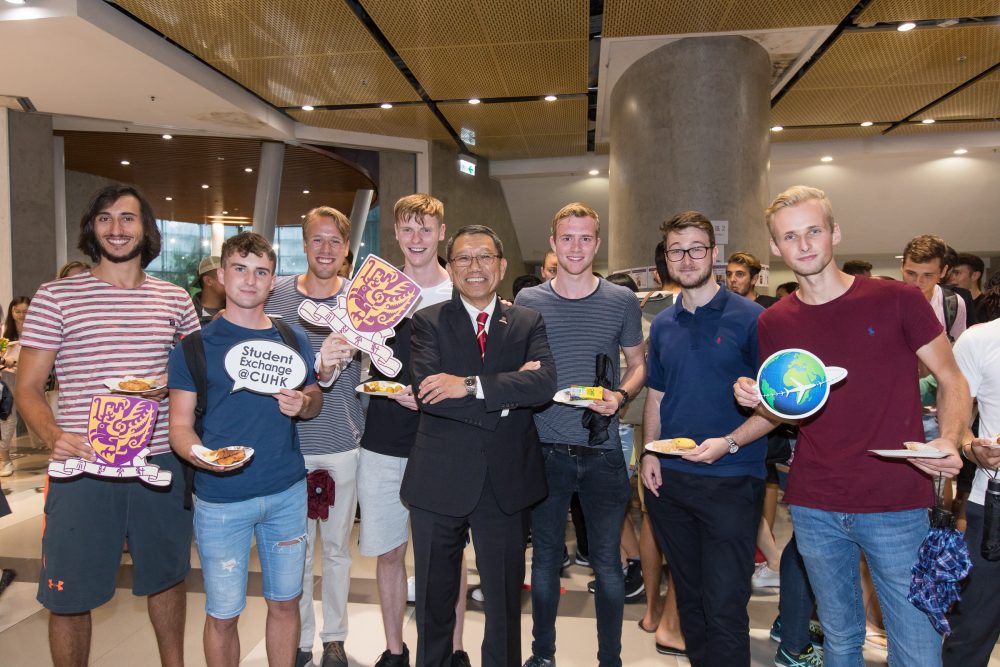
{"type": "Point", "coordinates": [308, 107]}
{"type": "Point", "coordinates": [551, 98]}
{"type": "Point", "coordinates": [927, 121]}
{"type": "Point", "coordinates": [225, 213]}
{"type": "Point", "coordinates": [906, 27]}
{"type": "Point", "coordinates": [305, 192]}
{"type": "Point", "coordinates": [961, 151]}
{"type": "Point", "coordinates": [248, 169]}
{"type": "Point", "coordinates": [474, 100]}
{"type": "Point", "coordinates": [777, 128]}
{"type": "Point", "coordinates": [302, 216]}
{"type": "Point", "coordinates": [386, 106]}
{"type": "Point", "coordinates": [593, 172]}
{"type": "Point", "coordinates": [17, 2]}
{"type": "Point", "coordinates": [826, 158]}
{"type": "Point", "coordinates": [867, 123]}
{"type": "Point", "coordinates": [898, 256]}
{"type": "Point", "coordinates": [204, 186]}
{"type": "Point", "coordinates": [125, 163]}
{"type": "Point", "coordinates": [169, 198]}
{"type": "Point", "coordinates": [168, 136]}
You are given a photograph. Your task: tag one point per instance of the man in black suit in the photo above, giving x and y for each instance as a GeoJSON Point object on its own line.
{"type": "Point", "coordinates": [480, 367]}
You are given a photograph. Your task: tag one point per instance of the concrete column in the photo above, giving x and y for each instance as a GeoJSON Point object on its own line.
{"type": "Point", "coordinates": [218, 237]}
{"type": "Point", "coordinates": [265, 209]}
{"type": "Point", "coordinates": [690, 130]}
{"type": "Point", "coordinates": [397, 177]}
{"type": "Point", "coordinates": [359, 218]}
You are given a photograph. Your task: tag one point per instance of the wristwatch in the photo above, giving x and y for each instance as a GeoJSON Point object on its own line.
{"type": "Point", "coordinates": [733, 447]}
{"type": "Point", "coordinates": [470, 386]}
{"type": "Point", "coordinates": [625, 397]}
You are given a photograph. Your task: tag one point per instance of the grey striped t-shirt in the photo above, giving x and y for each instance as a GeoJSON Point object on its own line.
{"type": "Point", "coordinates": [578, 330]}
{"type": "Point", "coordinates": [339, 425]}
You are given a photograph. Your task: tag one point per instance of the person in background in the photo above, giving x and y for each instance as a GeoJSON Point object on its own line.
{"type": "Point", "coordinates": [71, 269]}
{"type": "Point", "coordinates": [525, 281]}
{"type": "Point", "coordinates": [784, 289]}
{"type": "Point", "coordinates": [9, 354]}
{"type": "Point", "coordinates": [212, 297]}
{"type": "Point", "coordinates": [967, 274]}
{"type": "Point", "coordinates": [858, 267]}
{"type": "Point", "coordinates": [550, 265]}
{"type": "Point", "coordinates": [742, 274]}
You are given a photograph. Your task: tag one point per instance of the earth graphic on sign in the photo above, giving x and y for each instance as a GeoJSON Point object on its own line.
{"type": "Point", "coordinates": [795, 383]}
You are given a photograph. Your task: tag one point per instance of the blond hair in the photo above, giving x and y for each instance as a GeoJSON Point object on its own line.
{"type": "Point", "coordinates": [417, 206]}
{"type": "Point", "coordinates": [341, 220]}
{"type": "Point", "coordinates": [576, 210]}
{"type": "Point", "coordinates": [798, 194]}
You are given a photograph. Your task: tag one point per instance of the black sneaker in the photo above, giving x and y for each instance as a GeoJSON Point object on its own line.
{"type": "Point", "coordinates": [634, 586]}
{"type": "Point", "coordinates": [303, 658]}
{"type": "Point", "coordinates": [6, 577]}
{"type": "Point", "coordinates": [460, 659]}
{"type": "Point", "coordinates": [566, 561]}
{"type": "Point", "coordinates": [393, 660]}
{"type": "Point", "coordinates": [334, 655]}
{"type": "Point", "coordinates": [582, 559]}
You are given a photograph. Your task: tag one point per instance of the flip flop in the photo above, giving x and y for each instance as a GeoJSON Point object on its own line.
{"type": "Point", "coordinates": [643, 628]}
{"type": "Point", "coordinates": [663, 649]}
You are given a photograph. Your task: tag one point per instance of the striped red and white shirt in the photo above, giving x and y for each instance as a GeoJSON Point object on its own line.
{"type": "Point", "coordinates": [99, 332]}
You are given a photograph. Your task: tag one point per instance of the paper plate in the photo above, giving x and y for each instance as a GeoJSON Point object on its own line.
{"type": "Point", "coordinates": [562, 396]}
{"type": "Point", "coordinates": [361, 389]}
{"type": "Point", "coordinates": [203, 452]}
{"type": "Point", "coordinates": [908, 454]}
{"type": "Point", "coordinates": [112, 384]}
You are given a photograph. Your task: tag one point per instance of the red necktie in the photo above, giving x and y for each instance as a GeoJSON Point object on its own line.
{"type": "Point", "coordinates": [481, 333]}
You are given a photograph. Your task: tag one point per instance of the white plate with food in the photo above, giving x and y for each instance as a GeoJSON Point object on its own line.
{"type": "Point", "coordinates": [671, 446]}
{"type": "Point", "coordinates": [379, 388]}
{"type": "Point", "coordinates": [132, 384]}
{"type": "Point", "coordinates": [914, 450]}
{"type": "Point", "coordinates": [572, 396]}
{"type": "Point", "coordinates": [224, 457]}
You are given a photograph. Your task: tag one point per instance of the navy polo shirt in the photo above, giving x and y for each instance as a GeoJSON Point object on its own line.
{"type": "Point", "coordinates": [694, 358]}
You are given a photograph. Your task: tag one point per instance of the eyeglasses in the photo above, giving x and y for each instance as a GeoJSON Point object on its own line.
{"type": "Point", "coordinates": [694, 252]}
{"type": "Point", "coordinates": [465, 261]}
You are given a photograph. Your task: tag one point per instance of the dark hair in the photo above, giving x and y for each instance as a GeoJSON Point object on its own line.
{"type": "Point", "coordinates": [521, 282]}
{"type": "Point", "coordinates": [623, 279]}
{"type": "Point", "coordinates": [9, 328]}
{"type": "Point", "coordinates": [788, 287]}
{"type": "Point", "coordinates": [989, 307]}
{"type": "Point", "coordinates": [744, 258]}
{"type": "Point", "coordinates": [950, 257]}
{"type": "Point", "coordinates": [660, 260]}
{"type": "Point", "coordinates": [469, 230]}
{"type": "Point", "coordinates": [686, 220]}
{"type": "Point", "coordinates": [91, 247]}
{"type": "Point", "coordinates": [974, 262]}
{"type": "Point", "coordinates": [857, 267]}
{"type": "Point", "coordinates": [245, 243]}
{"type": "Point", "coordinates": [924, 248]}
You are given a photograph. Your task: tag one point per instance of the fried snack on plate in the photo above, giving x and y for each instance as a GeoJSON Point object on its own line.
{"type": "Point", "coordinates": [135, 384]}
{"type": "Point", "coordinates": [671, 445]}
{"type": "Point", "coordinates": [383, 387]}
{"type": "Point", "coordinates": [226, 456]}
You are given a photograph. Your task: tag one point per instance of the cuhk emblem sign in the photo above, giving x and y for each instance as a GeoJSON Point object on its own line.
{"type": "Point", "coordinates": [378, 298]}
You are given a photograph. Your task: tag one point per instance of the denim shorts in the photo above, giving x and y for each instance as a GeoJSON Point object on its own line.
{"type": "Point", "coordinates": [224, 532]}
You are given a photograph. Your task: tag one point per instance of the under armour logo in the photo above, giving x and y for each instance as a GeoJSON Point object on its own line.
{"type": "Point", "coordinates": [58, 585]}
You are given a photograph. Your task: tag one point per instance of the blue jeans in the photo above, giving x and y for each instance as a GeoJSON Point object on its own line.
{"type": "Point", "coordinates": [796, 601]}
{"type": "Point", "coordinates": [831, 544]}
{"type": "Point", "coordinates": [601, 480]}
{"type": "Point", "coordinates": [224, 531]}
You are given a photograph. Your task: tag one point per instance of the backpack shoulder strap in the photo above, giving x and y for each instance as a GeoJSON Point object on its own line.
{"type": "Point", "coordinates": [950, 310]}
{"type": "Point", "coordinates": [286, 333]}
{"type": "Point", "coordinates": [194, 357]}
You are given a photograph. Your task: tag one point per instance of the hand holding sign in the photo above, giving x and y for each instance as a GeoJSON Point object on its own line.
{"type": "Point", "coordinates": [264, 367]}
{"type": "Point", "coordinates": [379, 297]}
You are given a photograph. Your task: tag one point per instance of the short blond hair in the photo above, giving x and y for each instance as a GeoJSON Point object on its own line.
{"type": "Point", "coordinates": [417, 206]}
{"type": "Point", "coordinates": [341, 220]}
{"type": "Point", "coordinates": [576, 210]}
{"type": "Point", "coordinates": [796, 195]}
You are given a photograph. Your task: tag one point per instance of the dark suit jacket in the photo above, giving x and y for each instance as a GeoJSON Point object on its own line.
{"type": "Point", "coordinates": [461, 441]}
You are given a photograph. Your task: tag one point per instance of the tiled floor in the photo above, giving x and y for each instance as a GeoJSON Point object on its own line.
{"type": "Point", "coordinates": [123, 636]}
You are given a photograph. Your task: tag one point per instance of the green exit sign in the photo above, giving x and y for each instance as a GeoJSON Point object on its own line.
{"type": "Point", "coordinates": [467, 167]}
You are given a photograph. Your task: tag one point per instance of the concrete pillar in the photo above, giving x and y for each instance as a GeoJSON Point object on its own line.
{"type": "Point", "coordinates": [690, 130]}
{"type": "Point", "coordinates": [397, 177]}
{"type": "Point", "coordinates": [265, 209]}
{"type": "Point", "coordinates": [218, 237]}
{"type": "Point", "coordinates": [27, 204]}
{"type": "Point", "coordinates": [359, 218]}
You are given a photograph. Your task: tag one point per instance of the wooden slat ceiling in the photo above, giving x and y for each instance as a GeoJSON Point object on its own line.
{"type": "Point", "coordinates": [433, 54]}
{"type": "Point", "coordinates": [178, 167]}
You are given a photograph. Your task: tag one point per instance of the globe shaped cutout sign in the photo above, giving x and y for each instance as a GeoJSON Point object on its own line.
{"type": "Point", "coordinates": [794, 383]}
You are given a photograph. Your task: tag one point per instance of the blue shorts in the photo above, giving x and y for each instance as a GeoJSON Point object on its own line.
{"type": "Point", "coordinates": [224, 532]}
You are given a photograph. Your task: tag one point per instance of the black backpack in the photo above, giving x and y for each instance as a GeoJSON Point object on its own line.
{"type": "Point", "coordinates": [950, 310]}
{"type": "Point", "coordinates": [194, 357]}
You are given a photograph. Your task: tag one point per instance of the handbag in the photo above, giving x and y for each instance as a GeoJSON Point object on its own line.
{"type": "Point", "coordinates": [6, 401]}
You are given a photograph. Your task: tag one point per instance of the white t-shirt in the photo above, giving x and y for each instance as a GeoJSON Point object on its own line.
{"type": "Point", "coordinates": [978, 355]}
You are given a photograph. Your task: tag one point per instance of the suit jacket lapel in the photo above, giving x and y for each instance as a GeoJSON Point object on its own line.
{"type": "Point", "coordinates": [465, 336]}
{"type": "Point", "coordinates": [497, 336]}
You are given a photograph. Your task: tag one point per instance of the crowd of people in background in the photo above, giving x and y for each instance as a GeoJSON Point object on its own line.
{"type": "Point", "coordinates": [473, 448]}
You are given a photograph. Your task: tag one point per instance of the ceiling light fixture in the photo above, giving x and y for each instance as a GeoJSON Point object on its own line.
{"type": "Point", "coordinates": [204, 186]}
{"type": "Point", "coordinates": [225, 213]}
{"type": "Point", "coordinates": [593, 172]}
{"type": "Point", "coordinates": [17, 2]}
{"type": "Point", "coordinates": [777, 128]}
{"type": "Point", "coordinates": [867, 123]}
{"type": "Point", "coordinates": [168, 136]}
{"type": "Point", "coordinates": [248, 170]}
{"type": "Point", "coordinates": [474, 100]}
{"type": "Point", "coordinates": [961, 151]}
{"type": "Point", "coordinates": [169, 198]}
{"type": "Point", "coordinates": [305, 192]}
{"type": "Point", "coordinates": [906, 27]}
{"type": "Point", "coordinates": [826, 158]}
{"type": "Point", "coordinates": [308, 107]}
{"type": "Point", "coordinates": [125, 163]}
{"type": "Point", "coordinates": [927, 121]}
{"type": "Point", "coordinates": [551, 98]}
{"type": "Point", "coordinates": [386, 105]}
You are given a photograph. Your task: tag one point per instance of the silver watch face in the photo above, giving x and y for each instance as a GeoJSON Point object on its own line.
{"type": "Point", "coordinates": [470, 382]}
{"type": "Point", "coordinates": [733, 447]}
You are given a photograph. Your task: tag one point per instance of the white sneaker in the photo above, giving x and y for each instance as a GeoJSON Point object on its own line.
{"type": "Point", "coordinates": [7, 469]}
{"type": "Point", "coordinates": [411, 590]}
{"type": "Point", "coordinates": [765, 577]}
